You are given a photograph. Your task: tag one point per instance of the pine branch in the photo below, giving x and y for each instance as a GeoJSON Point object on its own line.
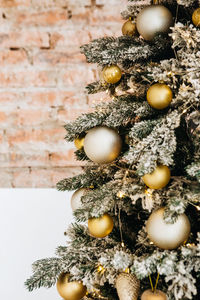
{"type": "Point", "coordinates": [46, 272]}
{"type": "Point", "coordinates": [124, 51]}
{"type": "Point", "coordinates": [93, 176]}
{"type": "Point", "coordinates": [116, 113]}
{"type": "Point", "coordinates": [157, 148]}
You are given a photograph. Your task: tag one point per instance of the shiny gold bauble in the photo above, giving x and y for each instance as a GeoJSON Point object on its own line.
{"type": "Point", "coordinates": [102, 144]}
{"type": "Point", "coordinates": [152, 20]}
{"type": "Point", "coordinates": [79, 142]}
{"type": "Point", "coordinates": [158, 179]}
{"type": "Point", "coordinates": [196, 17]}
{"type": "Point", "coordinates": [129, 28]}
{"type": "Point", "coordinates": [166, 235]}
{"type": "Point", "coordinates": [157, 295]}
{"type": "Point", "coordinates": [128, 286]}
{"type": "Point", "coordinates": [100, 227]}
{"type": "Point", "coordinates": [159, 96]}
{"type": "Point", "coordinates": [76, 198]}
{"type": "Point", "coordinates": [74, 290]}
{"type": "Point", "coordinates": [112, 74]}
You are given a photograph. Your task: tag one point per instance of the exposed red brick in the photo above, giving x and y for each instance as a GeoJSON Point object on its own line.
{"type": "Point", "coordinates": [42, 83]}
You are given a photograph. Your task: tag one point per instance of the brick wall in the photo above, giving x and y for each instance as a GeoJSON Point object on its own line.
{"type": "Point", "coordinates": [42, 80]}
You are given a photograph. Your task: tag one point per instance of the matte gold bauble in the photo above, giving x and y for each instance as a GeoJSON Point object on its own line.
{"type": "Point", "coordinates": [76, 198]}
{"type": "Point", "coordinates": [128, 286]}
{"type": "Point", "coordinates": [102, 144]}
{"type": "Point", "coordinates": [158, 179]}
{"type": "Point", "coordinates": [129, 28]}
{"type": "Point", "coordinates": [152, 20]}
{"type": "Point", "coordinates": [74, 290]}
{"type": "Point", "coordinates": [79, 143]}
{"type": "Point", "coordinates": [157, 295]}
{"type": "Point", "coordinates": [100, 227]}
{"type": "Point", "coordinates": [166, 235]}
{"type": "Point", "coordinates": [196, 17]}
{"type": "Point", "coordinates": [159, 96]}
{"type": "Point", "coordinates": [112, 74]}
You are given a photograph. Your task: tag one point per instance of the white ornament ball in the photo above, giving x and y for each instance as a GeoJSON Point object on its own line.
{"type": "Point", "coordinates": [76, 198]}
{"type": "Point", "coordinates": [102, 144]}
{"type": "Point", "coordinates": [153, 19]}
{"type": "Point", "coordinates": [164, 235]}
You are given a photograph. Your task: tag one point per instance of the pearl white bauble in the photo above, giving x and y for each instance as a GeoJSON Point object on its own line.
{"type": "Point", "coordinates": [102, 144]}
{"type": "Point", "coordinates": [153, 19]}
{"type": "Point", "coordinates": [164, 235]}
{"type": "Point", "coordinates": [76, 198]}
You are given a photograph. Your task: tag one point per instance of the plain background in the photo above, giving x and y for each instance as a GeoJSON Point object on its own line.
{"type": "Point", "coordinates": [32, 225]}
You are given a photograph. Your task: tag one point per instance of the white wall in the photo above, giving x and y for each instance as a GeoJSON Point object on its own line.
{"type": "Point", "coordinates": [32, 225]}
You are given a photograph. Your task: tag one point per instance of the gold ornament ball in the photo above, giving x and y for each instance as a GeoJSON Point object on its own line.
{"type": "Point", "coordinates": [76, 198]}
{"type": "Point", "coordinates": [157, 295]}
{"type": "Point", "coordinates": [74, 290]}
{"type": "Point", "coordinates": [166, 235]}
{"type": "Point", "coordinates": [79, 142]}
{"type": "Point", "coordinates": [100, 227]}
{"type": "Point", "coordinates": [129, 28]}
{"type": "Point", "coordinates": [112, 74]}
{"type": "Point", "coordinates": [159, 96]}
{"type": "Point", "coordinates": [196, 17]}
{"type": "Point", "coordinates": [159, 178]}
{"type": "Point", "coordinates": [102, 144]}
{"type": "Point", "coordinates": [153, 19]}
{"type": "Point", "coordinates": [128, 286]}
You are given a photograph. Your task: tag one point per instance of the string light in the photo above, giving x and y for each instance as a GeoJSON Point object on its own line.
{"type": "Point", "coordinates": [190, 245]}
{"type": "Point", "coordinates": [122, 244]}
{"type": "Point", "coordinates": [121, 194]}
{"type": "Point", "coordinates": [100, 269]}
{"type": "Point", "coordinates": [127, 270]}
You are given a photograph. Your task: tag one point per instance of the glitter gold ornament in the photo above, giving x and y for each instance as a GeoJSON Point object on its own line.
{"type": "Point", "coordinates": [158, 179]}
{"type": "Point", "coordinates": [128, 286]}
{"type": "Point", "coordinates": [159, 96]}
{"type": "Point", "coordinates": [164, 235]}
{"type": "Point", "coordinates": [129, 28]}
{"type": "Point", "coordinates": [76, 198]}
{"type": "Point", "coordinates": [102, 144]}
{"type": "Point", "coordinates": [79, 142]}
{"type": "Point", "coordinates": [196, 17]}
{"type": "Point", "coordinates": [73, 290]}
{"type": "Point", "coordinates": [112, 74]}
{"type": "Point", "coordinates": [100, 227]}
{"type": "Point", "coordinates": [157, 295]}
{"type": "Point", "coordinates": [152, 20]}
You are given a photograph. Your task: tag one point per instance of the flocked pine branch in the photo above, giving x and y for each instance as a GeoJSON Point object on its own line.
{"type": "Point", "coordinates": [124, 51]}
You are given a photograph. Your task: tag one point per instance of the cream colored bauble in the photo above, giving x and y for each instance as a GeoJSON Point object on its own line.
{"type": "Point", "coordinates": [157, 295]}
{"type": "Point", "coordinates": [76, 198]}
{"type": "Point", "coordinates": [158, 179]}
{"type": "Point", "coordinates": [100, 227]}
{"type": "Point", "coordinates": [166, 235]}
{"type": "Point", "coordinates": [153, 19]}
{"type": "Point", "coordinates": [128, 286]}
{"type": "Point", "coordinates": [102, 144]}
{"type": "Point", "coordinates": [74, 290]}
{"type": "Point", "coordinates": [159, 96]}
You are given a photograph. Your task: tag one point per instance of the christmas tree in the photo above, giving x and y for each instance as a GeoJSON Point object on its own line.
{"type": "Point", "coordinates": [137, 210]}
